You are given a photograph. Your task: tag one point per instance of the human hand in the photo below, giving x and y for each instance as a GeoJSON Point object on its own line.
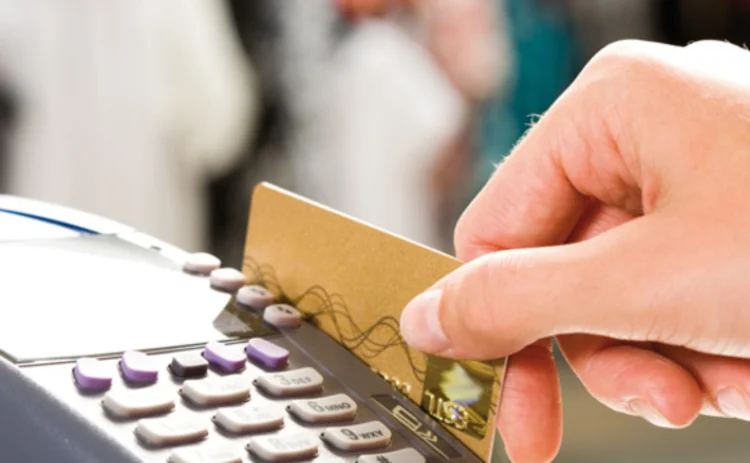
{"type": "Point", "coordinates": [619, 226]}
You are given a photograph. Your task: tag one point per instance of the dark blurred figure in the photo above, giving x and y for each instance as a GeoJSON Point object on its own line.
{"type": "Point", "coordinates": [256, 24]}
{"type": "Point", "coordinates": [684, 21]}
{"type": "Point", "coordinates": [263, 28]}
{"type": "Point", "coordinates": [7, 113]}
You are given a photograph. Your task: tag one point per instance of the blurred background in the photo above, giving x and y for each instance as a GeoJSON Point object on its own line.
{"type": "Point", "coordinates": [164, 117]}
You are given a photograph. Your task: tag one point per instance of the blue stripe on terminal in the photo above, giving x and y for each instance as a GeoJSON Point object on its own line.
{"type": "Point", "coordinates": [50, 221]}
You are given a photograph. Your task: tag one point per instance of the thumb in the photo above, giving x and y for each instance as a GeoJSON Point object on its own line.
{"type": "Point", "coordinates": [611, 285]}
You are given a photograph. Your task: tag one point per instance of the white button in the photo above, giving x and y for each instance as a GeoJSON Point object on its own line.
{"type": "Point", "coordinates": [201, 263]}
{"type": "Point", "coordinates": [172, 430]}
{"type": "Point", "coordinates": [215, 454]}
{"type": "Point", "coordinates": [365, 436]}
{"type": "Point", "coordinates": [248, 418]}
{"type": "Point", "coordinates": [408, 455]}
{"type": "Point", "coordinates": [282, 316]}
{"type": "Point", "coordinates": [217, 390]}
{"type": "Point", "coordinates": [292, 382]}
{"type": "Point", "coordinates": [227, 279]}
{"type": "Point", "coordinates": [284, 447]}
{"type": "Point", "coordinates": [254, 296]}
{"type": "Point", "coordinates": [325, 410]}
{"type": "Point", "coordinates": [135, 403]}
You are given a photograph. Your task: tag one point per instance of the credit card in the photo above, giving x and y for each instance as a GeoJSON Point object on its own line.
{"type": "Point", "coordinates": [352, 280]}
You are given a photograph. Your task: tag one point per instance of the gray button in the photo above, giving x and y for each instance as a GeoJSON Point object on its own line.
{"type": "Point", "coordinates": [337, 407]}
{"type": "Point", "coordinates": [202, 454]}
{"type": "Point", "coordinates": [201, 263]}
{"type": "Point", "coordinates": [249, 419]}
{"type": "Point", "coordinates": [171, 430]}
{"type": "Point", "coordinates": [301, 381]}
{"type": "Point", "coordinates": [366, 436]}
{"type": "Point", "coordinates": [227, 279]}
{"type": "Point", "coordinates": [407, 455]}
{"type": "Point", "coordinates": [284, 447]}
{"type": "Point", "coordinates": [217, 390]}
{"type": "Point", "coordinates": [136, 403]}
{"type": "Point", "coordinates": [254, 296]}
{"type": "Point", "coordinates": [282, 316]}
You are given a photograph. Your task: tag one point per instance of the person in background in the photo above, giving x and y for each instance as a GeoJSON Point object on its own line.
{"type": "Point", "coordinates": [125, 109]}
{"type": "Point", "coordinates": [546, 59]}
{"type": "Point", "coordinates": [469, 42]}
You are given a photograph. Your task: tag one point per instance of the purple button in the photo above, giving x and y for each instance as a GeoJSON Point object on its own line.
{"type": "Point", "coordinates": [138, 367]}
{"type": "Point", "coordinates": [267, 353]}
{"type": "Point", "coordinates": [92, 375]}
{"type": "Point", "coordinates": [228, 358]}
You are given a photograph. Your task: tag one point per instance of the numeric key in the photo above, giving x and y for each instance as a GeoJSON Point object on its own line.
{"type": "Point", "coordinates": [136, 403]}
{"type": "Point", "coordinates": [216, 390]}
{"type": "Point", "coordinates": [366, 436]}
{"type": "Point", "coordinates": [249, 419]}
{"type": "Point", "coordinates": [337, 407]}
{"type": "Point", "coordinates": [301, 381]}
{"type": "Point", "coordinates": [205, 455]}
{"type": "Point", "coordinates": [407, 455]}
{"type": "Point", "coordinates": [173, 430]}
{"type": "Point", "coordinates": [284, 447]}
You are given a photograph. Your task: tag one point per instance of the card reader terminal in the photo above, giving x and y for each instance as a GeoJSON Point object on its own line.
{"type": "Point", "coordinates": [118, 347]}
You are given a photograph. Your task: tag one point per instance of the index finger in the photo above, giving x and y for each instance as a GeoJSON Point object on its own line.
{"type": "Point", "coordinates": [581, 150]}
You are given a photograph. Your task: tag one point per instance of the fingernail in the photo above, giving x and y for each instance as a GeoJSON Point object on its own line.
{"type": "Point", "coordinates": [420, 323]}
{"type": "Point", "coordinates": [733, 403]}
{"type": "Point", "coordinates": [646, 411]}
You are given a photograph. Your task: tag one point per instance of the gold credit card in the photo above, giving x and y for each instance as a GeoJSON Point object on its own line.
{"type": "Point", "coordinates": [352, 281]}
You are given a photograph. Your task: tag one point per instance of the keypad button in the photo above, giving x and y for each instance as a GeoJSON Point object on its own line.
{"type": "Point", "coordinates": [254, 296]}
{"type": "Point", "coordinates": [216, 390]}
{"type": "Point", "coordinates": [407, 455]}
{"type": "Point", "coordinates": [284, 447]}
{"type": "Point", "coordinates": [227, 279]}
{"type": "Point", "coordinates": [92, 375]}
{"type": "Point", "coordinates": [337, 407]}
{"type": "Point", "coordinates": [301, 381]}
{"type": "Point", "coordinates": [230, 358]}
{"type": "Point", "coordinates": [282, 316]}
{"type": "Point", "coordinates": [249, 419]}
{"type": "Point", "coordinates": [366, 436]}
{"type": "Point", "coordinates": [138, 367]}
{"type": "Point", "coordinates": [201, 263]}
{"type": "Point", "coordinates": [137, 403]}
{"type": "Point", "coordinates": [189, 365]}
{"type": "Point", "coordinates": [267, 353]}
{"type": "Point", "coordinates": [214, 454]}
{"type": "Point", "coordinates": [172, 430]}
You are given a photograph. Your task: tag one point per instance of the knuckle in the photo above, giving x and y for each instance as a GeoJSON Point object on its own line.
{"type": "Point", "coordinates": [623, 48]}
{"type": "Point", "coordinates": [711, 46]}
{"type": "Point", "coordinates": [464, 238]}
{"type": "Point", "coordinates": [625, 59]}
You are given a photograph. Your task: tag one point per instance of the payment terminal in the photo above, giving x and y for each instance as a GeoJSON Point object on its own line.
{"type": "Point", "coordinates": [118, 347]}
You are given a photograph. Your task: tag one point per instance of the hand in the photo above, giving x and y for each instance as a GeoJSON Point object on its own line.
{"type": "Point", "coordinates": [620, 225]}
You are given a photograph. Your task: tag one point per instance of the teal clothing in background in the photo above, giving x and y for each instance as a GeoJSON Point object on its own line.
{"type": "Point", "coordinates": [545, 61]}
